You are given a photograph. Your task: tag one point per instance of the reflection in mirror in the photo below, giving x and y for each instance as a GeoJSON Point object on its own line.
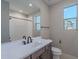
{"type": "Point", "coordinates": [24, 19]}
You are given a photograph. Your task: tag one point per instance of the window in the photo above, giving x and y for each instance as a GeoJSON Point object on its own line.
{"type": "Point", "coordinates": [37, 23]}
{"type": "Point", "coordinates": [70, 17]}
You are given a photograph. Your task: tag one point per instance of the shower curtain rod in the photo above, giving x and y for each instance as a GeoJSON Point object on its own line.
{"type": "Point", "coordinates": [10, 17]}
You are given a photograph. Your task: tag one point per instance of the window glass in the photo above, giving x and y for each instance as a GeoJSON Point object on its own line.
{"type": "Point", "coordinates": [37, 19]}
{"type": "Point", "coordinates": [38, 26]}
{"type": "Point", "coordinates": [37, 23]}
{"type": "Point", "coordinates": [70, 17]}
{"type": "Point", "coordinates": [70, 12]}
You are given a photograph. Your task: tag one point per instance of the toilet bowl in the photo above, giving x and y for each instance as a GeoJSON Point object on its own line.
{"type": "Point", "coordinates": [56, 53]}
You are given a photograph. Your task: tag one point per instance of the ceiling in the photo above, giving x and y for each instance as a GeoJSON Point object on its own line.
{"type": "Point", "coordinates": [24, 5]}
{"type": "Point", "coordinates": [51, 2]}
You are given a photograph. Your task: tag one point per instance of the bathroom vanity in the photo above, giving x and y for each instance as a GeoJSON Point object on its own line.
{"type": "Point", "coordinates": [41, 53]}
{"type": "Point", "coordinates": [38, 49]}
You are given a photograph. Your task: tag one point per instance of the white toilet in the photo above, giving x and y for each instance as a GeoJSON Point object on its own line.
{"type": "Point", "coordinates": [56, 53]}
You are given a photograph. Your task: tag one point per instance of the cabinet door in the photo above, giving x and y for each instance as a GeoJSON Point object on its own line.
{"type": "Point", "coordinates": [38, 53]}
{"type": "Point", "coordinates": [48, 52]}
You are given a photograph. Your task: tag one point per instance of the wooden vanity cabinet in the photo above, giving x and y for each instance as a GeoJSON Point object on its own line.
{"type": "Point", "coordinates": [38, 53]}
{"type": "Point", "coordinates": [48, 52]}
{"type": "Point", "coordinates": [43, 53]}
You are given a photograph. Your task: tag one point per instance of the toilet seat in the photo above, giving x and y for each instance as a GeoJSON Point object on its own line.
{"type": "Point", "coordinates": [56, 51]}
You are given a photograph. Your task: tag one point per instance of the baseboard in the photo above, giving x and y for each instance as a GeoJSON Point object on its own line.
{"type": "Point", "coordinates": [67, 56]}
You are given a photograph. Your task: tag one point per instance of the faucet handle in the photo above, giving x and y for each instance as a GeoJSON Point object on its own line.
{"type": "Point", "coordinates": [24, 37]}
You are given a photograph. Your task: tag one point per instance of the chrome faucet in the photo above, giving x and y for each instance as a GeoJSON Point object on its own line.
{"type": "Point", "coordinates": [29, 40]}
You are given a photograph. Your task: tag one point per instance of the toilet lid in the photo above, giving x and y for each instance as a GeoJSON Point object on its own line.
{"type": "Point", "coordinates": [54, 49]}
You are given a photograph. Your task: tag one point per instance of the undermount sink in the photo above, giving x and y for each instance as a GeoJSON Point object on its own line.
{"type": "Point", "coordinates": [36, 44]}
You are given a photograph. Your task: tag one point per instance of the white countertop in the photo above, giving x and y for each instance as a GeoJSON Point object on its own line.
{"type": "Point", "coordinates": [16, 50]}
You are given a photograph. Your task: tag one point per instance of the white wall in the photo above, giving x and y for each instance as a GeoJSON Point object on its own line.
{"type": "Point", "coordinates": [45, 22]}
{"type": "Point", "coordinates": [4, 21]}
{"type": "Point", "coordinates": [19, 28]}
{"type": "Point", "coordinates": [69, 40]}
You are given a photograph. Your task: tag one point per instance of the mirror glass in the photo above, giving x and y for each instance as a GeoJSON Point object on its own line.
{"type": "Point", "coordinates": [24, 19]}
